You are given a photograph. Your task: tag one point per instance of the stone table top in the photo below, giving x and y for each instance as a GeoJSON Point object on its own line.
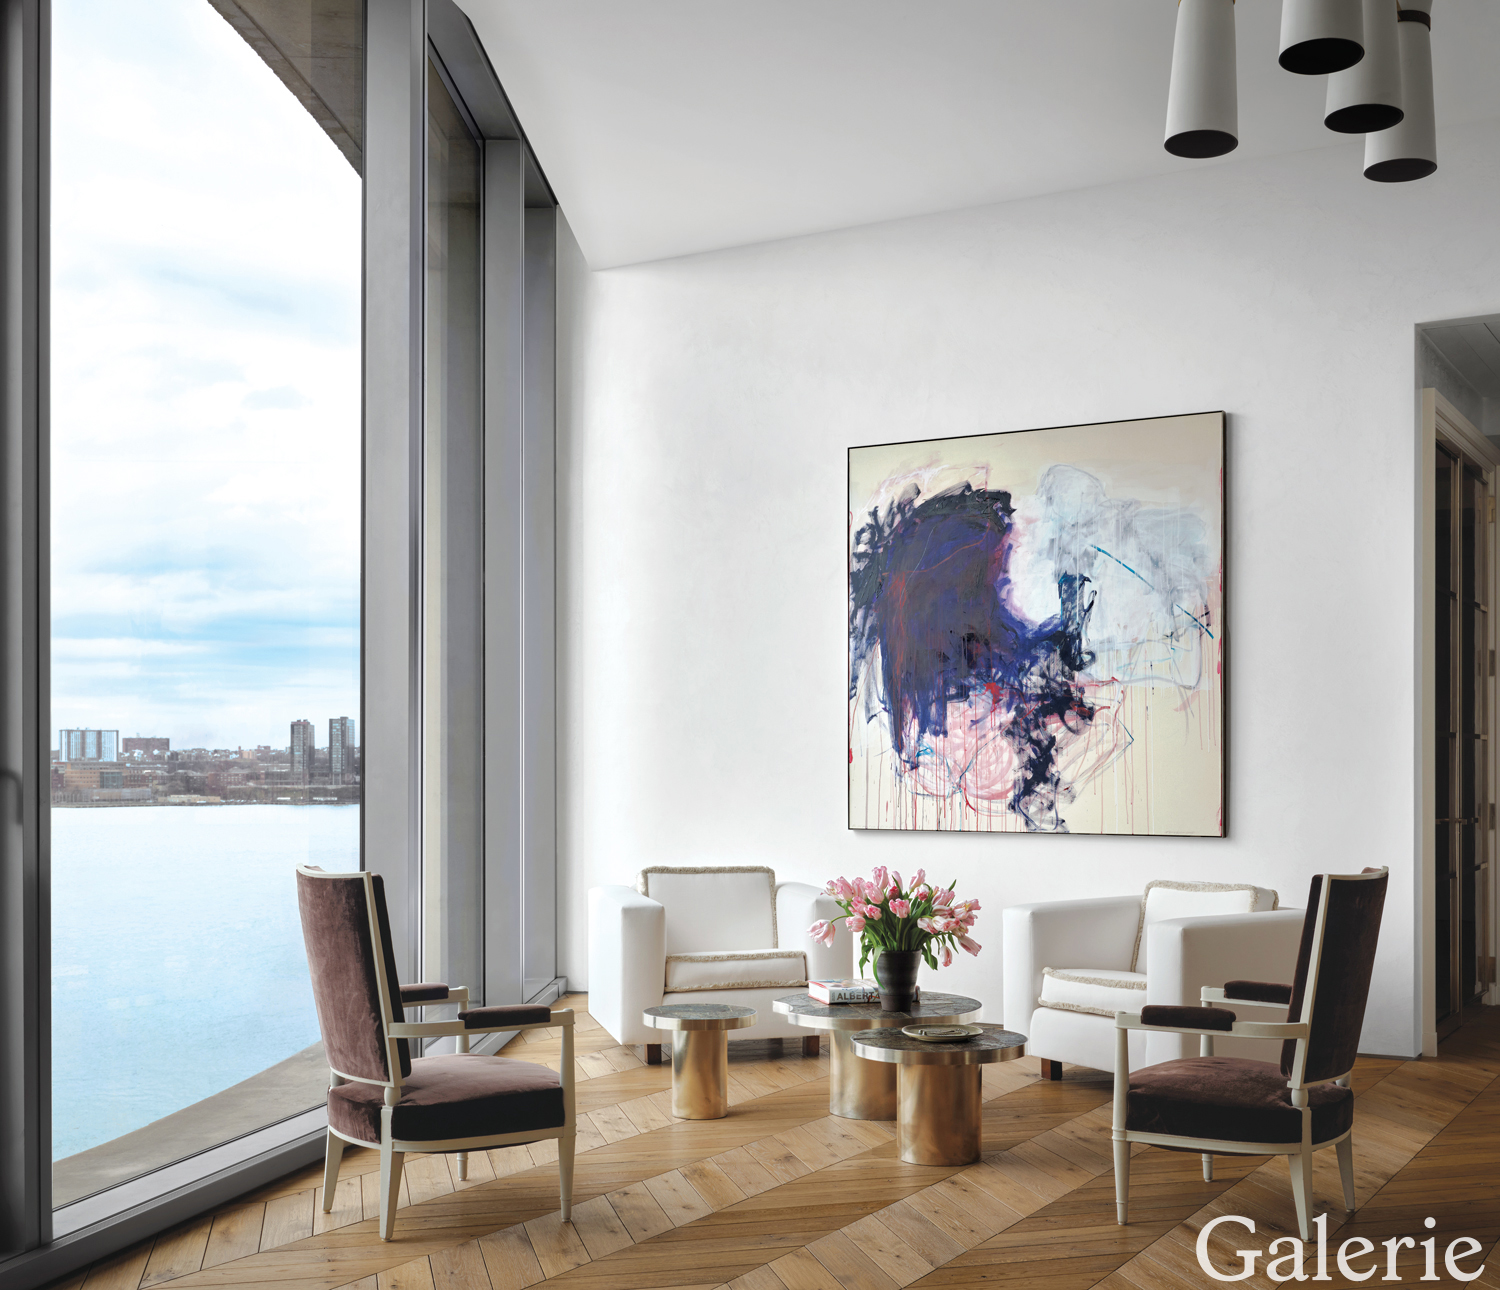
{"type": "Point", "coordinates": [939, 1009]}
{"type": "Point", "coordinates": [995, 1044]}
{"type": "Point", "coordinates": [700, 1016]}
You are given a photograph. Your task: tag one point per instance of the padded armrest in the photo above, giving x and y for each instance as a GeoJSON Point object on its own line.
{"type": "Point", "coordinates": [1198, 1018]}
{"type": "Point", "coordinates": [423, 992]}
{"type": "Point", "coordinates": [1097, 933]}
{"type": "Point", "coordinates": [627, 961]}
{"type": "Point", "coordinates": [798, 906]}
{"type": "Point", "coordinates": [505, 1014]}
{"type": "Point", "coordinates": [1258, 991]}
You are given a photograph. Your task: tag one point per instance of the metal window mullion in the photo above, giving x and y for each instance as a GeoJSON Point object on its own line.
{"type": "Point", "coordinates": [390, 617]}
{"type": "Point", "coordinates": [504, 764]}
{"type": "Point", "coordinates": [25, 999]}
{"type": "Point", "coordinates": [539, 600]}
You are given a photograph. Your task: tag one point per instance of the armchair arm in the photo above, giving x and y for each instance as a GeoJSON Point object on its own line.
{"type": "Point", "coordinates": [462, 1029]}
{"type": "Point", "coordinates": [798, 906]}
{"type": "Point", "coordinates": [1258, 992]}
{"type": "Point", "coordinates": [424, 992]}
{"type": "Point", "coordinates": [1061, 933]}
{"type": "Point", "coordinates": [504, 1015]}
{"type": "Point", "coordinates": [1245, 1029]}
{"type": "Point", "coordinates": [1191, 1018]}
{"type": "Point", "coordinates": [627, 961]}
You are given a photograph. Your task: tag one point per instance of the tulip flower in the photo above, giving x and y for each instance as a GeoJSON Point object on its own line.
{"type": "Point", "coordinates": [900, 908]}
{"type": "Point", "coordinates": [896, 880]}
{"type": "Point", "coordinates": [943, 898]}
{"type": "Point", "coordinates": [946, 957]}
{"type": "Point", "coordinates": [972, 946]}
{"type": "Point", "coordinates": [855, 924]}
{"type": "Point", "coordinates": [927, 925]}
{"type": "Point", "coordinates": [871, 913]}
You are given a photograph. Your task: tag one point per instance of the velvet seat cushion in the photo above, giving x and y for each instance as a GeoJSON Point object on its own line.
{"type": "Point", "coordinates": [453, 1096]}
{"type": "Point", "coordinates": [1232, 1099]}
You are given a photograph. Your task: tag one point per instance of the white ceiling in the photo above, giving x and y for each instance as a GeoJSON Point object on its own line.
{"type": "Point", "coordinates": [673, 126]}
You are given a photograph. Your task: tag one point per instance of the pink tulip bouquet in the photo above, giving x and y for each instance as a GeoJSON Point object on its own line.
{"type": "Point", "coordinates": [889, 914]}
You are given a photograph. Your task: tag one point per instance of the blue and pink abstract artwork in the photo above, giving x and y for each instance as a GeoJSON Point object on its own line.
{"type": "Point", "coordinates": [1036, 630]}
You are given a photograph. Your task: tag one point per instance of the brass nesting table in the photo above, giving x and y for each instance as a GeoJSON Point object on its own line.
{"type": "Point", "coordinates": [860, 1089]}
{"type": "Point", "coordinates": [700, 1054]}
{"type": "Point", "coordinates": [938, 1089]}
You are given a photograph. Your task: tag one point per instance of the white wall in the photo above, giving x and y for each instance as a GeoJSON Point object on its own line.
{"type": "Point", "coordinates": [706, 410]}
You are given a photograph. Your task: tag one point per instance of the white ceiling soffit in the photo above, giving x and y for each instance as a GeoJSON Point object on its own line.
{"type": "Point", "coordinates": [673, 126]}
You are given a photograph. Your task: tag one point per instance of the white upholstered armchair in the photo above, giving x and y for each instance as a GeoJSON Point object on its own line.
{"type": "Point", "coordinates": [1070, 965]}
{"type": "Point", "coordinates": [706, 935]}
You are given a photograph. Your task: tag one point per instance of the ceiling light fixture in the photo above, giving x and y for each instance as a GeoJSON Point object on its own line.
{"type": "Point", "coordinates": [1202, 100]}
{"type": "Point", "coordinates": [1321, 36]}
{"type": "Point", "coordinates": [1366, 98]}
{"type": "Point", "coordinates": [1409, 150]}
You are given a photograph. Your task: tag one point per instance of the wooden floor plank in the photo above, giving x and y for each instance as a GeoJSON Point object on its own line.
{"type": "Point", "coordinates": [122, 1271]}
{"type": "Point", "coordinates": [460, 1268]}
{"type": "Point", "coordinates": [236, 1233]}
{"type": "Point", "coordinates": [557, 1245]}
{"type": "Point", "coordinates": [510, 1260]}
{"type": "Point", "coordinates": [288, 1219]}
{"type": "Point", "coordinates": [177, 1253]}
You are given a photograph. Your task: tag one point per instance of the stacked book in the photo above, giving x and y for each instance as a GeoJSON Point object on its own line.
{"type": "Point", "coordinates": [844, 991]}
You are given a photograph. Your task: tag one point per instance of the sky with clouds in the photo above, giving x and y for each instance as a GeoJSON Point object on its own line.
{"type": "Point", "coordinates": [205, 386]}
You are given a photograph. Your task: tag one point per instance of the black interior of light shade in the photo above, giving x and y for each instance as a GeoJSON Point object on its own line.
{"type": "Point", "coordinates": [1364, 118]}
{"type": "Point", "coordinates": [1400, 170]}
{"type": "Point", "coordinates": [1201, 143]}
{"type": "Point", "coordinates": [1319, 57]}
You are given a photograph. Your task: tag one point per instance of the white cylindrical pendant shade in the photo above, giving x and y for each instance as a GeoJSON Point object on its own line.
{"type": "Point", "coordinates": [1409, 150]}
{"type": "Point", "coordinates": [1367, 97]}
{"type": "Point", "coordinates": [1203, 99]}
{"type": "Point", "coordinates": [1321, 36]}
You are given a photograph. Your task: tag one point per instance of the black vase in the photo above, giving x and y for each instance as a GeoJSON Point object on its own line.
{"type": "Point", "coordinates": [896, 972]}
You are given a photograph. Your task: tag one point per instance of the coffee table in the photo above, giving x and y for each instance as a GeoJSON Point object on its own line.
{"type": "Point", "coordinates": [700, 1054]}
{"type": "Point", "coordinates": [859, 1089]}
{"type": "Point", "coordinates": [938, 1089]}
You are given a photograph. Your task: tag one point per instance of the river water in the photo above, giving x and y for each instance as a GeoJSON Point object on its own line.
{"type": "Point", "coordinates": [177, 959]}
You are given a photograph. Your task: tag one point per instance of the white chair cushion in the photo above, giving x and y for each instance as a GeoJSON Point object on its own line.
{"type": "Point", "coordinates": [1165, 900]}
{"type": "Point", "coordinates": [1101, 991]}
{"type": "Point", "coordinates": [714, 909]}
{"type": "Point", "coordinates": [736, 970]}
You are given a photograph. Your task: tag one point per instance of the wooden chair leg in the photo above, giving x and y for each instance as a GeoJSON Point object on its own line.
{"type": "Point", "coordinates": [463, 1166]}
{"type": "Point", "coordinates": [810, 1045]}
{"type": "Point", "coordinates": [334, 1155]}
{"type": "Point", "coordinates": [390, 1187]}
{"type": "Point", "coordinates": [653, 1054]}
{"type": "Point", "coordinates": [1122, 1181]}
{"type": "Point", "coordinates": [1051, 1069]}
{"type": "Point", "coordinates": [565, 1147]}
{"type": "Point", "coordinates": [1208, 1167]}
{"type": "Point", "coordinates": [1346, 1171]}
{"type": "Point", "coordinates": [1301, 1165]}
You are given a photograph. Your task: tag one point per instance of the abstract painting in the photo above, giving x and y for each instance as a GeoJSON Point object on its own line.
{"type": "Point", "coordinates": [1036, 630]}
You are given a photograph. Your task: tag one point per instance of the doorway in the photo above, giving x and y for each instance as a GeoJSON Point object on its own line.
{"type": "Point", "coordinates": [1461, 804]}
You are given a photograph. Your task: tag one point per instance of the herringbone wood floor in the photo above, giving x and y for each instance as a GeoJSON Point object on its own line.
{"type": "Point", "coordinates": [781, 1196]}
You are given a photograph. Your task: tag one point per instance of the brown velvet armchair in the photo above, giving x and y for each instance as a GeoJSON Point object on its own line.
{"type": "Point", "coordinates": [1234, 1106]}
{"type": "Point", "coordinates": [381, 1096]}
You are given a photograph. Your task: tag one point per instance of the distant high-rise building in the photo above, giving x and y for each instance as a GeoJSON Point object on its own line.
{"type": "Point", "coordinates": [89, 745]}
{"type": "Point", "coordinates": [147, 746]}
{"type": "Point", "coordinates": [304, 741]}
{"type": "Point", "coordinates": [341, 745]}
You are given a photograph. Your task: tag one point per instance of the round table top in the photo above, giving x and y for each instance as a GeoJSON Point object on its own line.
{"type": "Point", "coordinates": [938, 1009]}
{"type": "Point", "coordinates": [996, 1044]}
{"type": "Point", "coordinates": [700, 1016]}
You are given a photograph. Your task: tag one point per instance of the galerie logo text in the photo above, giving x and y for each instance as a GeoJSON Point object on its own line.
{"type": "Point", "coordinates": [1289, 1266]}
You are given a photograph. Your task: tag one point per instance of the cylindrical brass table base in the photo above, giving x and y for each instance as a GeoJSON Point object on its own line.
{"type": "Point", "coordinates": [857, 1089]}
{"type": "Point", "coordinates": [939, 1114]}
{"type": "Point", "coordinates": [700, 1074]}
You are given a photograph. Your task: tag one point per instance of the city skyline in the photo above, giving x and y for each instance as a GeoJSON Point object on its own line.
{"type": "Point", "coordinates": [342, 731]}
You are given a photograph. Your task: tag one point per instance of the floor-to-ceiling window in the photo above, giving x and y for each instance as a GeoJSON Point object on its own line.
{"type": "Point", "coordinates": [205, 583]}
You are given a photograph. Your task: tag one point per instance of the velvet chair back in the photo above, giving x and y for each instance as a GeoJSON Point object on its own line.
{"type": "Point", "coordinates": [341, 962]}
{"type": "Point", "coordinates": [1341, 974]}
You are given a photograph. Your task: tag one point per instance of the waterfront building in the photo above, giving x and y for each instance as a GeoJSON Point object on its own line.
{"type": "Point", "coordinates": [88, 745]}
{"type": "Point", "coordinates": [341, 745]}
{"type": "Point", "coordinates": [302, 747]}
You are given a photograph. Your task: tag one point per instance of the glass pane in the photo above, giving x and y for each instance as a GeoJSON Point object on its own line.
{"type": "Point", "coordinates": [205, 562]}
{"type": "Point", "coordinates": [453, 565]}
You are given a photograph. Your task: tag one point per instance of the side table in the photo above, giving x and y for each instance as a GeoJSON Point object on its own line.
{"type": "Point", "coordinates": [859, 1089]}
{"type": "Point", "coordinates": [700, 1054]}
{"type": "Point", "coordinates": [938, 1089]}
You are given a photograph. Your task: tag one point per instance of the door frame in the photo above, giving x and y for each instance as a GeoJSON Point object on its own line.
{"type": "Point", "coordinates": [1441, 420]}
